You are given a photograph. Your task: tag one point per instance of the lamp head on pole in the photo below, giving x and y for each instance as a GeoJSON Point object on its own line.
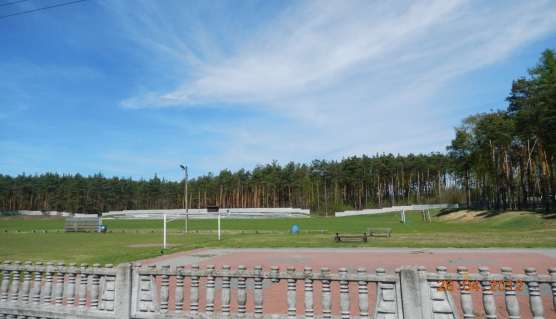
{"type": "Point", "coordinates": [183, 167]}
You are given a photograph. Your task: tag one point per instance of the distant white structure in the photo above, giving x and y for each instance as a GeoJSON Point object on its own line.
{"type": "Point", "coordinates": [392, 209]}
{"type": "Point", "coordinates": [282, 212]}
{"type": "Point", "coordinates": [46, 213]}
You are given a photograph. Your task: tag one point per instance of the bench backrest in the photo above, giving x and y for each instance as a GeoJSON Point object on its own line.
{"type": "Point", "coordinates": [84, 224]}
{"type": "Point", "coordinates": [379, 230]}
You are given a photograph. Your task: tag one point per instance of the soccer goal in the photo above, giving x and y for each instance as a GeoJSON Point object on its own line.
{"type": "Point", "coordinates": [166, 220]}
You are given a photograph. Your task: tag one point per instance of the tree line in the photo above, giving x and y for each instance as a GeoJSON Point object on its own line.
{"type": "Point", "coordinates": [505, 159]}
{"type": "Point", "coordinates": [502, 159]}
{"type": "Point", "coordinates": [323, 186]}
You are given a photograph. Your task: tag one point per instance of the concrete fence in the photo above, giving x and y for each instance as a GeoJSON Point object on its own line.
{"type": "Point", "coordinates": [393, 209]}
{"type": "Point", "coordinates": [135, 291]}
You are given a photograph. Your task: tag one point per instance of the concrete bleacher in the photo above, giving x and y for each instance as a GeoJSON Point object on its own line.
{"type": "Point", "coordinates": [48, 213]}
{"type": "Point", "coordinates": [281, 212]}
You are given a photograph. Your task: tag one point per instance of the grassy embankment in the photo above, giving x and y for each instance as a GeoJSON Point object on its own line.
{"type": "Point", "coordinates": [133, 240]}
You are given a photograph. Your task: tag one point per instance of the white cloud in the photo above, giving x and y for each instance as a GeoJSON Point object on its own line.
{"type": "Point", "coordinates": [351, 76]}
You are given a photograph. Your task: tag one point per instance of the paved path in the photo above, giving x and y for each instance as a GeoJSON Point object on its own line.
{"type": "Point", "coordinates": [371, 258]}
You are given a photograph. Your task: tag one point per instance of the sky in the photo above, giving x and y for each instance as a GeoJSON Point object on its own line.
{"type": "Point", "coordinates": [134, 88]}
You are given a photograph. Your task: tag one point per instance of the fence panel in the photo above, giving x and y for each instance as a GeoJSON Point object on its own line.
{"type": "Point", "coordinates": [52, 290]}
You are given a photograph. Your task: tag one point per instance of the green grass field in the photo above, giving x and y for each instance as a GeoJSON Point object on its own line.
{"type": "Point", "coordinates": [134, 240]}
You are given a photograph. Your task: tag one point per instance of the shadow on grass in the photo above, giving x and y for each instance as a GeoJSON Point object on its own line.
{"type": "Point", "coordinates": [492, 213]}
{"type": "Point", "coordinates": [550, 215]}
{"type": "Point", "coordinates": [447, 211]}
{"type": "Point", "coordinates": [484, 213]}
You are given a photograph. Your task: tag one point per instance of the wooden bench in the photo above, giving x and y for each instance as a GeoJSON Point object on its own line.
{"type": "Point", "coordinates": [338, 238]}
{"type": "Point", "coordinates": [379, 232]}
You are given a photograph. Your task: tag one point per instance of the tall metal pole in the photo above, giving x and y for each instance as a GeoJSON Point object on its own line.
{"type": "Point", "coordinates": [186, 201]}
{"type": "Point", "coordinates": [325, 198]}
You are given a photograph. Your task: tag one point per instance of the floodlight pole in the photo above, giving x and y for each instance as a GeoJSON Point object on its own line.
{"type": "Point", "coordinates": [185, 197]}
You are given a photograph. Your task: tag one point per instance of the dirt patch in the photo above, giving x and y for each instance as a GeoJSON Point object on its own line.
{"type": "Point", "coordinates": [464, 215]}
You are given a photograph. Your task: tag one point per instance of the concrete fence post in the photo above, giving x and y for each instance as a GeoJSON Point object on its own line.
{"type": "Point", "coordinates": [489, 302]}
{"type": "Point", "coordinates": [440, 298]}
{"type": "Point", "coordinates": [241, 292]}
{"type": "Point", "coordinates": [552, 272]}
{"type": "Point", "coordinates": [14, 292]}
{"type": "Point", "coordinates": [95, 287]}
{"type": "Point", "coordinates": [36, 290]}
{"type": "Point", "coordinates": [164, 289]}
{"type": "Point", "coordinates": [411, 285]}
{"type": "Point", "coordinates": [535, 300]}
{"type": "Point", "coordinates": [83, 281]}
{"type": "Point", "coordinates": [308, 299]}
{"type": "Point", "coordinates": [510, 295]}
{"type": "Point", "coordinates": [4, 287]}
{"type": "Point", "coordinates": [194, 291]}
{"type": "Point", "coordinates": [108, 291]}
{"type": "Point", "coordinates": [210, 290]}
{"type": "Point", "coordinates": [258, 291]}
{"type": "Point", "coordinates": [137, 292]}
{"type": "Point", "coordinates": [291, 294]}
{"type": "Point", "coordinates": [59, 285]}
{"type": "Point", "coordinates": [47, 289]}
{"type": "Point", "coordinates": [179, 288]}
{"type": "Point", "coordinates": [26, 286]}
{"type": "Point", "coordinates": [122, 304]}
{"type": "Point", "coordinates": [466, 299]}
{"type": "Point", "coordinates": [226, 293]}
{"type": "Point", "coordinates": [363, 293]}
{"type": "Point", "coordinates": [344, 294]}
{"type": "Point", "coordinates": [387, 297]}
{"type": "Point", "coordinates": [70, 291]}
{"type": "Point", "coordinates": [326, 296]}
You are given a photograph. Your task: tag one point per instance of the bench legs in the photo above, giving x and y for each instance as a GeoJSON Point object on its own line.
{"type": "Point", "coordinates": [338, 238]}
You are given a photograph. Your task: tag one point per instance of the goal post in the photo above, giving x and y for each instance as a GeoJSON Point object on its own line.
{"type": "Point", "coordinates": [166, 220]}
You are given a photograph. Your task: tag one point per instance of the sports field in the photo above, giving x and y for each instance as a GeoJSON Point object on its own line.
{"type": "Point", "coordinates": [135, 240]}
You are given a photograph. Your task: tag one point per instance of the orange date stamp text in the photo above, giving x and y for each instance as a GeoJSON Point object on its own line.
{"type": "Point", "coordinates": [475, 285]}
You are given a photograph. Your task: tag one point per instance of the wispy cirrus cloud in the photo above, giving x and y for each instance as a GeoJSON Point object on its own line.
{"type": "Point", "coordinates": [319, 46]}
{"type": "Point", "coordinates": [350, 76]}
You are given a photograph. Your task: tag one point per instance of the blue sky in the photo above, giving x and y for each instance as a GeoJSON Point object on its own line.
{"type": "Point", "coordinates": [133, 88]}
